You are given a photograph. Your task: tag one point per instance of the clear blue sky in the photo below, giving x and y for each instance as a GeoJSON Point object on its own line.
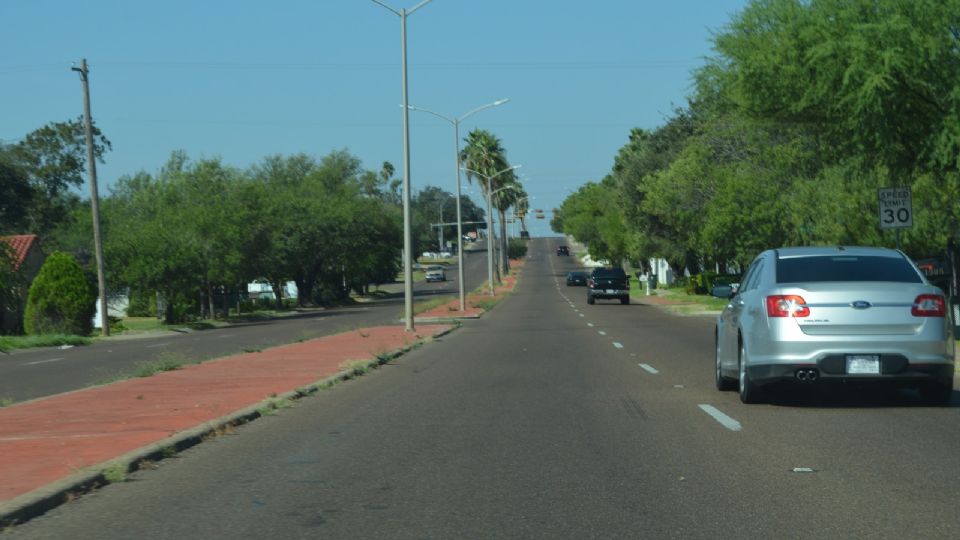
{"type": "Point", "coordinates": [242, 80]}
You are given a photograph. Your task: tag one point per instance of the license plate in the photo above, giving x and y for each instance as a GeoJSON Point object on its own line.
{"type": "Point", "coordinates": [863, 364]}
{"type": "Point", "coordinates": [609, 291]}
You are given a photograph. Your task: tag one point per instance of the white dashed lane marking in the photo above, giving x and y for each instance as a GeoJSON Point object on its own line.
{"type": "Point", "coordinates": [724, 420]}
{"type": "Point", "coordinates": [43, 361]}
{"type": "Point", "coordinates": [617, 344]}
{"type": "Point", "coordinates": [601, 332]}
{"type": "Point", "coordinates": [649, 368]}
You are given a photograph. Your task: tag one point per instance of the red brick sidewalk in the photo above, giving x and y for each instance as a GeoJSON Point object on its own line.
{"type": "Point", "coordinates": [54, 445]}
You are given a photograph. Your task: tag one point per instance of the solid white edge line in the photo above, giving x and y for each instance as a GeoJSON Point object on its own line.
{"type": "Point", "coordinates": [724, 420]}
{"type": "Point", "coordinates": [649, 368]}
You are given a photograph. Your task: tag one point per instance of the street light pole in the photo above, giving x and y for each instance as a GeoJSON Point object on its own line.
{"type": "Point", "coordinates": [456, 155]}
{"type": "Point", "coordinates": [490, 193]}
{"type": "Point", "coordinates": [407, 240]}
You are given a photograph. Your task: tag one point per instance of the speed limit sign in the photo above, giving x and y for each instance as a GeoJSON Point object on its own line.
{"type": "Point", "coordinates": [896, 208]}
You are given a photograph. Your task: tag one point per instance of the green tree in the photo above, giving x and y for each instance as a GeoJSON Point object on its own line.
{"type": "Point", "coordinates": [53, 158]}
{"type": "Point", "coordinates": [11, 282]}
{"type": "Point", "coordinates": [60, 299]}
{"type": "Point", "coordinates": [15, 195]}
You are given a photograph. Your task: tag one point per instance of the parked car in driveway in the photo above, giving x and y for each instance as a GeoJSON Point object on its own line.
{"type": "Point", "coordinates": [835, 314]}
{"type": "Point", "coordinates": [608, 283]}
{"type": "Point", "coordinates": [577, 278]}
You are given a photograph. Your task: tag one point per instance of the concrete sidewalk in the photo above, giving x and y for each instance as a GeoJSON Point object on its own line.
{"type": "Point", "coordinates": [53, 448]}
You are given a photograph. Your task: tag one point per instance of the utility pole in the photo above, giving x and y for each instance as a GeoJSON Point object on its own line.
{"type": "Point", "coordinates": [94, 197]}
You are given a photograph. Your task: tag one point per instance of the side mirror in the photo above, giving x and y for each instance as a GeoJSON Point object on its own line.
{"type": "Point", "coordinates": [734, 289]}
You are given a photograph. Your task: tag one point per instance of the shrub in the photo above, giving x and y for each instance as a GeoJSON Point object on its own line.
{"type": "Point", "coordinates": [60, 300]}
{"type": "Point", "coordinates": [516, 248]}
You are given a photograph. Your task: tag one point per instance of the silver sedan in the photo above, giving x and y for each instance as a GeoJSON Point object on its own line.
{"type": "Point", "coordinates": [851, 314]}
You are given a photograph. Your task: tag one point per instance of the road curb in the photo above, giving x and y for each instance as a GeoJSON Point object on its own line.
{"type": "Point", "coordinates": [41, 500]}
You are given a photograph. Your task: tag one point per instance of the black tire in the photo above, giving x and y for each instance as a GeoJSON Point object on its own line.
{"type": "Point", "coordinates": [625, 300]}
{"type": "Point", "coordinates": [937, 393]}
{"type": "Point", "coordinates": [590, 299]}
{"type": "Point", "coordinates": [749, 391]}
{"type": "Point", "coordinates": [723, 383]}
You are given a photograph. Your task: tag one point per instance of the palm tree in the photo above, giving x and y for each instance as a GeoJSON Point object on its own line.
{"type": "Point", "coordinates": [508, 193]}
{"type": "Point", "coordinates": [483, 154]}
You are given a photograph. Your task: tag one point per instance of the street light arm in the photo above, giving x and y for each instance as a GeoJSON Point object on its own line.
{"type": "Point", "coordinates": [428, 111]}
{"type": "Point", "coordinates": [397, 13]}
{"type": "Point", "coordinates": [482, 107]}
{"type": "Point", "coordinates": [418, 6]}
{"type": "Point", "coordinates": [401, 13]}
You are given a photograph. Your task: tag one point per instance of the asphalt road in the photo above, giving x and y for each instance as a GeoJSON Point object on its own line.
{"type": "Point", "coordinates": [550, 418]}
{"type": "Point", "coordinates": [32, 373]}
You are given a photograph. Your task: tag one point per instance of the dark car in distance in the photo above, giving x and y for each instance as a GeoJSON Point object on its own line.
{"type": "Point", "coordinates": [608, 283]}
{"type": "Point", "coordinates": [563, 250]}
{"type": "Point", "coordinates": [577, 278]}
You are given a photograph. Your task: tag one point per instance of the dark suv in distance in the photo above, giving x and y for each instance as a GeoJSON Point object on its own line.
{"type": "Point", "coordinates": [563, 250]}
{"type": "Point", "coordinates": [608, 283]}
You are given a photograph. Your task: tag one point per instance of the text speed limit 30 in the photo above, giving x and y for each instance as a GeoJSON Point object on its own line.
{"type": "Point", "coordinates": [896, 208]}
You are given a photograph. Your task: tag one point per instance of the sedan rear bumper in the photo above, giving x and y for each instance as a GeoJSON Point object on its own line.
{"type": "Point", "coordinates": [893, 368]}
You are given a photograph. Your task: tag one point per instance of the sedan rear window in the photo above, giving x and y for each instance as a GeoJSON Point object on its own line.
{"type": "Point", "coordinates": [846, 268]}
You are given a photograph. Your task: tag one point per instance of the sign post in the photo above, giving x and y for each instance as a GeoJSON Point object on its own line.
{"type": "Point", "coordinates": [896, 209]}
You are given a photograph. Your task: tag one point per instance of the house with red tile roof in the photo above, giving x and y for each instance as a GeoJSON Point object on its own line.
{"type": "Point", "coordinates": [27, 260]}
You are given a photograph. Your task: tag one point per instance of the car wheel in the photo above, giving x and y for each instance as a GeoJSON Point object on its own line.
{"type": "Point", "coordinates": [590, 299]}
{"type": "Point", "coordinates": [723, 383]}
{"type": "Point", "coordinates": [625, 300]}
{"type": "Point", "coordinates": [749, 392]}
{"type": "Point", "coordinates": [937, 393]}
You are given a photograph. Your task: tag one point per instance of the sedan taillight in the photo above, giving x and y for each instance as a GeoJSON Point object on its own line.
{"type": "Point", "coordinates": [929, 305]}
{"type": "Point", "coordinates": [787, 305]}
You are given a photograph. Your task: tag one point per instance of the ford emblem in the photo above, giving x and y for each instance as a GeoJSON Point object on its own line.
{"type": "Point", "coordinates": [861, 304]}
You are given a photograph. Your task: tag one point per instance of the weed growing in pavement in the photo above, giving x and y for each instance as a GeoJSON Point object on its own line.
{"type": "Point", "coordinates": [306, 335]}
{"type": "Point", "coordinates": [115, 474]}
{"type": "Point", "coordinates": [6, 402]}
{"type": "Point", "coordinates": [218, 431]}
{"type": "Point", "coordinates": [168, 452]}
{"type": "Point", "coordinates": [485, 305]}
{"type": "Point", "coordinates": [273, 405]}
{"type": "Point", "coordinates": [252, 349]}
{"type": "Point", "coordinates": [383, 357]}
{"type": "Point", "coordinates": [146, 464]}
{"type": "Point", "coordinates": [356, 368]}
{"type": "Point", "coordinates": [167, 361]}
